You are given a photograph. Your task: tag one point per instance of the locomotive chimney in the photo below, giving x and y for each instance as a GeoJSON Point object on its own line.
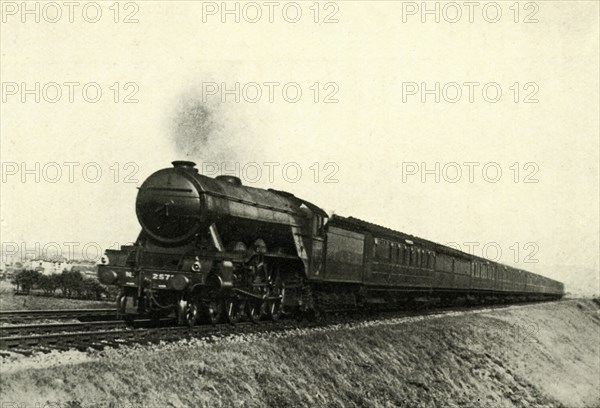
{"type": "Point", "coordinates": [183, 164]}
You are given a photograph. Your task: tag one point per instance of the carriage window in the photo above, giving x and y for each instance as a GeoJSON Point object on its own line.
{"type": "Point", "coordinates": [382, 252]}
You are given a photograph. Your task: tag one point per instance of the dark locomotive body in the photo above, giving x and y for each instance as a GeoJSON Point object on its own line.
{"type": "Point", "coordinates": [214, 249]}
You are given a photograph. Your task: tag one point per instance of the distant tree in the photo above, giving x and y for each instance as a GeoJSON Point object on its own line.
{"type": "Point", "coordinates": [49, 283]}
{"type": "Point", "coordinates": [43, 284]}
{"type": "Point", "coordinates": [70, 282]}
{"type": "Point", "coordinates": [25, 280]}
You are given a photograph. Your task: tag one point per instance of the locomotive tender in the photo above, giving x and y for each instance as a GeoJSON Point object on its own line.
{"type": "Point", "coordinates": [214, 249]}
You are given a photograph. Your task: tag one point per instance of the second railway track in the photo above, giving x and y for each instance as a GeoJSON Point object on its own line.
{"type": "Point", "coordinates": [13, 316]}
{"type": "Point", "coordinates": [98, 339]}
{"type": "Point", "coordinates": [31, 329]}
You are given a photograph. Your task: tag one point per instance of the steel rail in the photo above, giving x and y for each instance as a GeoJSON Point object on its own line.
{"type": "Point", "coordinates": [21, 329]}
{"type": "Point", "coordinates": [112, 338]}
{"type": "Point", "coordinates": [20, 315]}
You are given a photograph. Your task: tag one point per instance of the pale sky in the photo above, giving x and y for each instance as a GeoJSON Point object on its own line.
{"type": "Point", "coordinates": [171, 58]}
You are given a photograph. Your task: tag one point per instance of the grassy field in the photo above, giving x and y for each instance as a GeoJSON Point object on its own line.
{"type": "Point", "coordinates": [472, 360]}
{"type": "Point", "coordinates": [8, 301]}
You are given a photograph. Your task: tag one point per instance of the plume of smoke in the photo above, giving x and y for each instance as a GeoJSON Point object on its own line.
{"type": "Point", "coordinates": [209, 130]}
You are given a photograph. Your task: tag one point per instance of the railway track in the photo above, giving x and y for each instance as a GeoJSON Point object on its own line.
{"type": "Point", "coordinates": [13, 316]}
{"type": "Point", "coordinates": [99, 339]}
{"type": "Point", "coordinates": [31, 329]}
{"type": "Point", "coordinates": [27, 339]}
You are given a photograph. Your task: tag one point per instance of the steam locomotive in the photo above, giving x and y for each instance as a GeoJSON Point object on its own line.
{"type": "Point", "coordinates": [212, 249]}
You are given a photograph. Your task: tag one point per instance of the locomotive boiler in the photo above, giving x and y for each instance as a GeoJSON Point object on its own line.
{"type": "Point", "coordinates": [213, 249]}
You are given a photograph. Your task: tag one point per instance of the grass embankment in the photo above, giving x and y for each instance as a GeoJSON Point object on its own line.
{"type": "Point", "coordinates": [532, 355]}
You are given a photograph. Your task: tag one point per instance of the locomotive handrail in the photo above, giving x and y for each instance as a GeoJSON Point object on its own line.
{"type": "Point", "coordinates": [251, 203]}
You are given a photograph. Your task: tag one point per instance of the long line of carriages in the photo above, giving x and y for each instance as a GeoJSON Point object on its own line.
{"type": "Point", "coordinates": [362, 252]}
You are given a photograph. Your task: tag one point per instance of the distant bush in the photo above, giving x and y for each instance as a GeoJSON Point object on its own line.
{"type": "Point", "coordinates": [25, 280]}
{"type": "Point", "coordinates": [72, 284]}
{"type": "Point", "coordinates": [49, 283]}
